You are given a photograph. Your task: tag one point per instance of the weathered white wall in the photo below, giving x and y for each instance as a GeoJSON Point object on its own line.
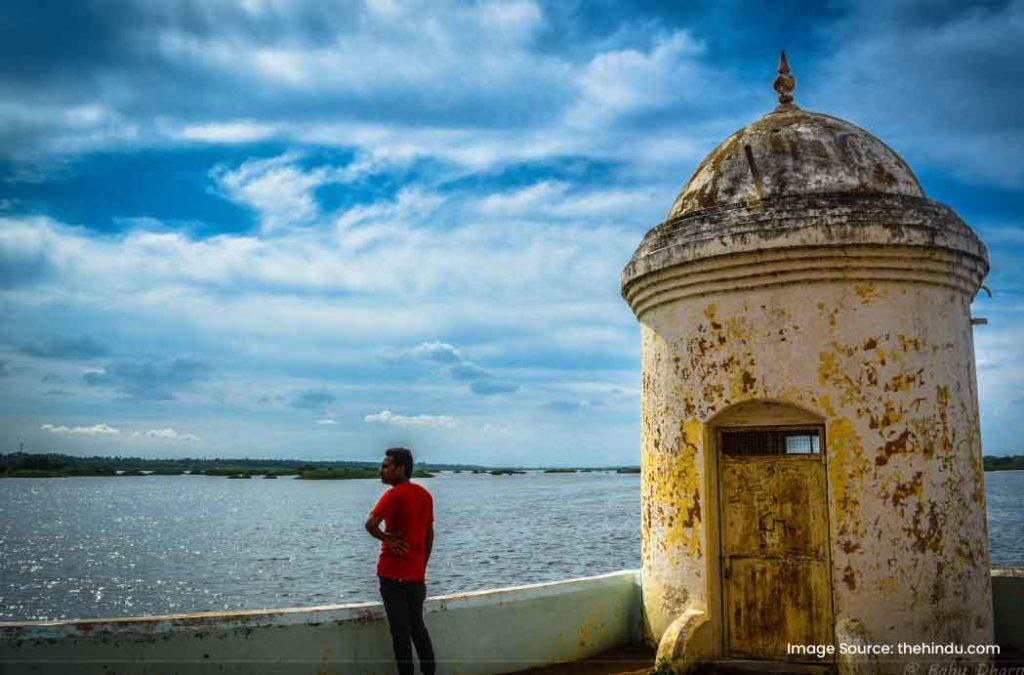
{"type": "Point", "coordinates": [854, 307]}
{"type": "Point", "coordinates": [889, 367]}
{"type": "Point", "coordinates": [493, 631]}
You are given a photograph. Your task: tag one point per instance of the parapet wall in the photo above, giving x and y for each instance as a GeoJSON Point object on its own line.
{"type": "Point", "coordinates": [493, 631]}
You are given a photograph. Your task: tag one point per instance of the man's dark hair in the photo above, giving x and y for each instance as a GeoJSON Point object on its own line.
{"type": "Point", "coordinates": [401, 457]}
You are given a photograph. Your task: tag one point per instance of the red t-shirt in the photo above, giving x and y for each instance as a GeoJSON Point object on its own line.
{"type": "Point", "coordinates": [407, 508]}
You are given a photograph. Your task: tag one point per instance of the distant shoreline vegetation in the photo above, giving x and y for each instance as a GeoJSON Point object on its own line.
{"type": "Point", "coordinates": [54, 465]}
{"type": "Point", "coordinates": [1008, 463]}
{"type": "Point", "coordinates": [342, 474]}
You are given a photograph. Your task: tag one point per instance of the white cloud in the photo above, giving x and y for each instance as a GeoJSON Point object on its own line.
{"type": "Point", "coordinates": [64, 128]}
{"type": "Point", "coordinates": [239, 131]}
{"type": "Point", "coordinates": [169, 434]}
{"type": "Point", "coordinates": [450, 361]}
{"type": "Point", "coordinates": [441, 352]}
{"type": "Point", "coordinates": [450, 81]}
{"type": "Point", "coordinates": [327, 422]}
{"type": "Point", "coordinates": [625, 81]}
{"type": "Point", "coordinates": [515, 19]}
{"type": "Point", "coordinates": [412, 51]}
{"type": "Point", "coordinates": [436, 100]}
{"type": "Point", "coordinates": [410, 276]}
{"type": "Point", "coordinates": [546, 200]}
{"type": "Point", "coordinates": [277, 189]}
{"type": "Point", "coordinates": [101, 429]}
{"type": "Point", "coordinates": [88, 115]}
{"type": "Point", "coordinates": [421, 421]}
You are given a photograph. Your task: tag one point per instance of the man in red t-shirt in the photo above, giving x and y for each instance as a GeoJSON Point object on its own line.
{"type": "Point", "coordinates": [407, 510]}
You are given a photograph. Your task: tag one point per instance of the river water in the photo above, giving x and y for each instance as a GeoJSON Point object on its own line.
{"type": "Point", "coordinates": [103, 547]}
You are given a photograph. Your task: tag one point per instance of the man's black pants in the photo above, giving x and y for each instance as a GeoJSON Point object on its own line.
{"type": "Point", "coordinates": [403, 602]}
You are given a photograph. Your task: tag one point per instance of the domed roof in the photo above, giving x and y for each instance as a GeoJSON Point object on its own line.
{"type": "Point", "coordinates": [795, 152]}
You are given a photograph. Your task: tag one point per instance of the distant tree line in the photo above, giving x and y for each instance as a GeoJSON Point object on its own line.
{"type": "Point", "coordinates": [30, 465]}
{"type": "Point", "coordinates": [46, 465]}
{"type": "Point", "coordinates": [1008, 463]}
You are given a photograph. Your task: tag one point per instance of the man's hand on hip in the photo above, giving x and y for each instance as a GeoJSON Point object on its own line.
{"type": "Point", "coordinates": [393, 540]}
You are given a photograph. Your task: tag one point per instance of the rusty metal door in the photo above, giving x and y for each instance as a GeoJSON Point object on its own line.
{"type": "Point", "coordinates": [776, 576]}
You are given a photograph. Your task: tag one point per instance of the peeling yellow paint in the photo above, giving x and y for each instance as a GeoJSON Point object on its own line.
{"type": "Point", "coordinates": [827, 367]}
{"type": "Point", "coordinates": [824, 403]}
{"type": "Point", "coordinates": [903, 459]}
{"type": "Point", "coordinates": [673, 494]}
{"type": "Point", "coordinates": [868, 292]}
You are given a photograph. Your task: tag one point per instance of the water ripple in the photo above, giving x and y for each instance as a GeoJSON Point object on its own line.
{"type": "Point", "coordinates": [100, 547]}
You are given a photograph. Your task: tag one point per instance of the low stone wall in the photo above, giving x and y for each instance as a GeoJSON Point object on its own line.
{"type": "Point", "coordinates": [492, 631]}
{"type": "Point", "coordinates": [1008, 608]}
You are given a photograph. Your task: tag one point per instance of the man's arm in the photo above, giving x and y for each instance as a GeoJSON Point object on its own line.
{"type": "Point", "coordinates": [391, 539]}
{"type": "Point", "coordinates": [429, 543]}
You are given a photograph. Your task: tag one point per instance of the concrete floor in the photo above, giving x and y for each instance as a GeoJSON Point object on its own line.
{"type": "Point", "coordinates": [627, 660]}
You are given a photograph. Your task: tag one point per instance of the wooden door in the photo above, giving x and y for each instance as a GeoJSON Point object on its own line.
{"type": "Point", "coordinates": [774, 541]}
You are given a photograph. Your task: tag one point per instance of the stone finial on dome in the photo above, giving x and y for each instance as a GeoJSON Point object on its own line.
{"type": "Point", "coordinates": [784, 85]}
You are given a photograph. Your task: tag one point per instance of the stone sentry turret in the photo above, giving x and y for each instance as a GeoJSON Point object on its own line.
{"type": "Point", "coordinates": [811, 457]}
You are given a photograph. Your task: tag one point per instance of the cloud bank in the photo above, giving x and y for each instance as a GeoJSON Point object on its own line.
{"type": "Point", "coordinates": [269, 219]}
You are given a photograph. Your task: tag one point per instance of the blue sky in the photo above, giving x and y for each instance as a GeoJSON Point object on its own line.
{"type": "Point", "coordinates": [306, 229]}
